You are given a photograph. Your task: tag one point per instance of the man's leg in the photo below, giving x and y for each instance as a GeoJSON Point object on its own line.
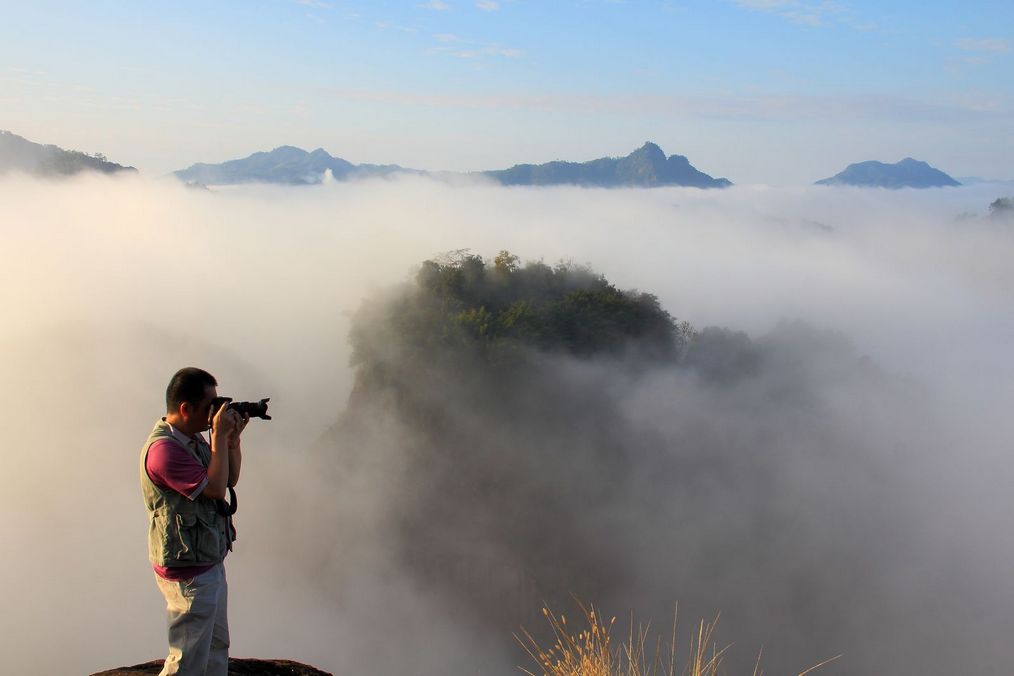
{"type": "Point", "coordinates": [191, 607]}
{"type": "Point", "coordinates": [218, 660]}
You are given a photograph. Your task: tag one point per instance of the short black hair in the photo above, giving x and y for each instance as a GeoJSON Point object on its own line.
{"type": "Point", "coordinates": [188, 385]}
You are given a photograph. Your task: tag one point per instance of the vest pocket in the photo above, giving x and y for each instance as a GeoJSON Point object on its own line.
{"type": "Point", "coordinates": [159, 539]}
{"type": "Point", "coordinates": [209, 542]}
{"type": "Point", "coordinates": [185, 547]}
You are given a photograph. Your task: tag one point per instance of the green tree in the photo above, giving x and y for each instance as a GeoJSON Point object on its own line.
{"type": "Point", "coordinates": [499, 309]}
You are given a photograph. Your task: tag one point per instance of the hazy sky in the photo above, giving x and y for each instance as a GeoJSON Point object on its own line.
{"type": "Point", "coordinates": [760, 91]}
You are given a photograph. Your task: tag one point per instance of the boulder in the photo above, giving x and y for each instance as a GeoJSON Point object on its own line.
{"type": "Point", "coordinates": [237, 667]}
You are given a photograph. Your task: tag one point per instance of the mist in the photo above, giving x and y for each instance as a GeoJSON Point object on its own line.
{"type": "Point", "coordinates": [871, 447]}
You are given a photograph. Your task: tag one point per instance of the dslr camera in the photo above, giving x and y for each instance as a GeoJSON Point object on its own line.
{"type": "Point", "coordinates": [254, 409]}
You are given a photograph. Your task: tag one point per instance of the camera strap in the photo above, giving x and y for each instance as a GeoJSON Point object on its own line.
{"type": "Point", "coordinates": [228, 508]}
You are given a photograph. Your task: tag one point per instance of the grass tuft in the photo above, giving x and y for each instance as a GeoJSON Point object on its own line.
{"type": "Point", "coordinates": [591, 651]}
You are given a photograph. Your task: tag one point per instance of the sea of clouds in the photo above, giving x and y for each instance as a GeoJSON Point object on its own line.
{"type": "Point", "coordinates": [111, 284]}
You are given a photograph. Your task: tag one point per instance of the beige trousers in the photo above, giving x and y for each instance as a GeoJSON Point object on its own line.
{"type": "Point", "coordinates": [198, 624]}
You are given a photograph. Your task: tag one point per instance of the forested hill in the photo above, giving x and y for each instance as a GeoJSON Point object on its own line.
{"type": "Point", "coordinates": [20, 154]}
{"type": "Point", "coordinates": [490, 383]}
{"type": "Point", "coordinates": [496, 310]}
{"type": "Point", "coordinates": [521, 432]}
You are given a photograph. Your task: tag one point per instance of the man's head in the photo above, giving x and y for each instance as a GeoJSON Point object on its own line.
{"type": "Point", "coordinates": [188, 399]}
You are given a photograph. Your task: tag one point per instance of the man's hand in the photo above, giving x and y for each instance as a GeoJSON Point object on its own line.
{"type": "Point", "coordinates": [224, 427]}
{"type": "Point", "coordinates": [238, 429]}
{"type": "Point", "coordinates": [235, 453]}
{"type": "Point", "coordinates": [220, 471]}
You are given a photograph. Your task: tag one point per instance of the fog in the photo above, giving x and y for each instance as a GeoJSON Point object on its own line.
{"type": "Point", "coordinates": [111, 284]}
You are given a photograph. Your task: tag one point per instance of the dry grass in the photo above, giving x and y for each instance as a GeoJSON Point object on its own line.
{"type": "Point", "coordinates": [591, 651]}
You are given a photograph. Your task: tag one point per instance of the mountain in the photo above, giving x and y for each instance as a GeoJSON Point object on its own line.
{"type": "Point", "coordinates": [285, 164]}
{"type": "Point", "coordinates": [20, 154]}
{"type": "Point", "coordinates": [907, 173]}
{"type": "Point", "coordinates": [645, 167]}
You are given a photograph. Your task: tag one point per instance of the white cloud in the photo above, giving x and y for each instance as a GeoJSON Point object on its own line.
{"type": "Point", "coordinates": [471, 49]}
{"type": "Point", "coordinates": [980, 51]}
{"type": "Point", "coordinates": [479, 52]}
{"type": "Point", "coordinates": [743, 107]}
{"type": "Point", "coordinates": [805, 12]}
{"type": "Point", "coordinates": [487, 5]}
{"type": "Point", "coordinates": [986, 45]}
{"type": "Point", "coordinates": [314, 3]}
{"type": "Point", "coordinates": [385, 25]}
{"type": "Point", "coordinates": [437, 5]}
{"type": "Point", "coordinates": [765, 5]}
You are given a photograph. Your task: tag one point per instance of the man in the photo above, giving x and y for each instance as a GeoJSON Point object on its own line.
{"type": "Point", "coordinates": [183, 482]}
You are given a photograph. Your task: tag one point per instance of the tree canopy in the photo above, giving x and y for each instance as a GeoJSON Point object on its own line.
{"type": "Point", "coordinates": [498, 308]}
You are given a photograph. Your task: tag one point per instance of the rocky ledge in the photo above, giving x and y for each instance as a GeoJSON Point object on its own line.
{"type": "Point", "coordinates": [237, 667]}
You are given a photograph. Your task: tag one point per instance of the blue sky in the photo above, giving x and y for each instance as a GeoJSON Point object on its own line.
{"type": "Point", "coordinates": [760, 91]}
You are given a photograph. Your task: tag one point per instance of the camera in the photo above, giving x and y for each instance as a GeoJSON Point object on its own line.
{"type": "Point", "coordinates": [254, 409]}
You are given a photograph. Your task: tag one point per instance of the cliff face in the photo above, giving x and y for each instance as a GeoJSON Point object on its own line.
{"type": "Point", "coordinates": [237, 667]}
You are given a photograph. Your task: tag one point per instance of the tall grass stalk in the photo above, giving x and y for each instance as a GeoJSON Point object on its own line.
{"type": "Point", "coordinates": [591, 651]}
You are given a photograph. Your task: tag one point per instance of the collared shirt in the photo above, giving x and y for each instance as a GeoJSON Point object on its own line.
{"type": "Point", "coordinates": [170, 468]}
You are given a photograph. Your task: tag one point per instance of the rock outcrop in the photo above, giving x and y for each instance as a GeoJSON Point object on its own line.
{"type": "Point", "coordinates": [237, 667]}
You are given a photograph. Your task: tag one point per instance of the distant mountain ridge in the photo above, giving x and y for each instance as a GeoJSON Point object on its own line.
{"type": "Point", "coordinates": [908, 173]}
{"type": "Point", "coordinates": [285, 164]}
{"type": "Point", "coordinates": [648, 166]}
{"type": "Point", "coordinates": [645, 167]}
{"type": "Point", "coordinates": [19, 154]}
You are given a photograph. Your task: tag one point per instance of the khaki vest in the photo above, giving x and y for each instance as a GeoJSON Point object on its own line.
{"type": "Point", "coordinates": [182, 532]}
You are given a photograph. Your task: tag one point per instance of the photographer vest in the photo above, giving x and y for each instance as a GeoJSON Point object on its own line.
{"type": "Point", "coordinates": [182, 532]}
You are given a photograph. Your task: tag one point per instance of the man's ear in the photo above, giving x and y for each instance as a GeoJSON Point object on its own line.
{"type": "Point", "coordinates": [185, 410]}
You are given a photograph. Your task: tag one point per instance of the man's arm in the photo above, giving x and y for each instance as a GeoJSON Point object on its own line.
{"type": "Point", "coordinates": [222, 427]}
{"type": "Point", "coordinates": [169, 466]}
{"type": "Point", "coordinates": [235, 452]}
